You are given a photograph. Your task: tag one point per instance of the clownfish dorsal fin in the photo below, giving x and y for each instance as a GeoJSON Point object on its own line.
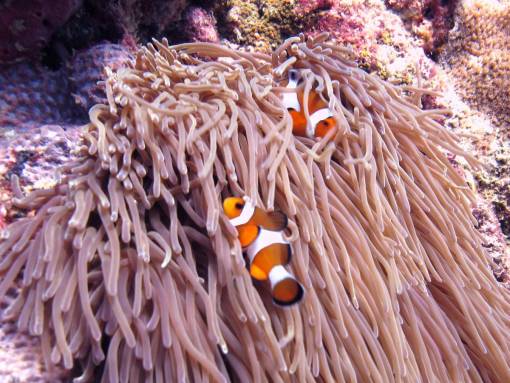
{"type": "Point", "coordinates": [278, 220]}
{"type": "Point", "coordinates": [273, 220]}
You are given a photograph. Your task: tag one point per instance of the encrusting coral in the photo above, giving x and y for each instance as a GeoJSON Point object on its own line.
{"type": "Point", "coordinates": [261, 24]}
{"type": "Point", "coordinates": [398, 285]}
{"type": "Point", "coordinates": [32, 96]}
{"type": "Point", "coordinates": [479, 53]}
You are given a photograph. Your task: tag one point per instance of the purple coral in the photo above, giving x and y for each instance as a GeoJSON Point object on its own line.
{"type": "Point", "coordinates": [32, 96]}
{"type": "Point", "coordinates": [87, 68]}
{"type": "Point", "coordinates": [27, 25]}
{"type": "Point", "coordinates": [200, 25]}
{"type": "Point", "coordinates": [346, 26]}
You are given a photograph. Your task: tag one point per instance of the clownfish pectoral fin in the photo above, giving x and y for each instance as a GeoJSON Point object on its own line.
{"type": "Point", "coordinates": [247, 234]}
{"type": "Point", "coordinates": [285, 289]}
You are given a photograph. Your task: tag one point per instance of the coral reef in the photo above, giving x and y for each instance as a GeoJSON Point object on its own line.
{"type": "Point", "coordinates": [494, 184]}
{"type": "Point", "coordinates": [33, 156]}
{"type": "Point", "coordinates": [478, 56]}
{"type": "Point", "coordinates": [430, 20]}
{"type": "Point", "coordinates": [32, 95]}
{"type": "Point", "coordinates": [26, 26]}
{"type": "Point", "coordinates": [478, 135]}
{"type": "Point", "coordinates": [260, 24]}
{"type": "Point", "coordinates": [476, 59]}
{"type": "Point", "coordinates": [200, 25]}
{"type": "Point", "coordinates": [86, 72]}
{"type": "Point", "coordinates": [378, 37]}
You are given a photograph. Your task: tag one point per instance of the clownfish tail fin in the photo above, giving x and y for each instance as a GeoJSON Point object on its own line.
{"type": "Point", "coordinates": [285, 289]}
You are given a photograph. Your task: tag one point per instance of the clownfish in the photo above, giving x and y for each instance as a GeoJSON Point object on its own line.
{"type": "Point", "coordinates": [261, 237]}
{"type": "Point", "coordinates": [321, 117]}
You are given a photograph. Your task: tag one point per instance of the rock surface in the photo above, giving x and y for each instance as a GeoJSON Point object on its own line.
{"type": "Point", "coordinates": [33, 156]}
{"type": "Point", "coordinates": [26, 26]}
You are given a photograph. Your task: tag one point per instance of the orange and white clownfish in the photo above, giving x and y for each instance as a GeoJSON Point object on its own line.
{"type": "Point", "coordinates": [261, 237]}
{"type": "Point", "coordinates": [321, 117]}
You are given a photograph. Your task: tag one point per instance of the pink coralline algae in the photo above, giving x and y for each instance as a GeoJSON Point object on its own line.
{"type": "Point", "coordinates": [305, 7]}
{"type": "Point", "coordinates": [32, 96]}
{"type": "Point", "coordinates": [200, 25]}
{"type": "Point", "coordinates": [350, 23]}
{"type": "Point", "coordinates": [86, 70]}
{"type": "Point", "coordinates": [430, 20]}
{"type": "Point", "coordinates": [27, 25]}
{"type": "Point", "coordinates": [344, 24]}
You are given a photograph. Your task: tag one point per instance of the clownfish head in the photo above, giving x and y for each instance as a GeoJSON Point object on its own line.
{"type": "Point", "coordinates": [233, 206]}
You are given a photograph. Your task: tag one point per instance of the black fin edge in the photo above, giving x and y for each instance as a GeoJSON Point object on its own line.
{"type": "Point", "coordinates": [297, 298]}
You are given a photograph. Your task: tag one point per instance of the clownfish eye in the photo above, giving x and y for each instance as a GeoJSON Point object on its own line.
{"type": "Point", "coordinates": [239, 206]}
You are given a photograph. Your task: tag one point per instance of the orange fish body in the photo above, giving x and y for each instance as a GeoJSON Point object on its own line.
{"type": "Point", "coordinates": [261, 236]}
{"type": "Point", "coordinates": [249, 227]}
{"type": "Point", "coordinates": [321, 117]}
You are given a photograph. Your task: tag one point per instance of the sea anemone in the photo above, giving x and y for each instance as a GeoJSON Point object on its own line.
{"type": "Point", "coordinates": [129, 262]}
